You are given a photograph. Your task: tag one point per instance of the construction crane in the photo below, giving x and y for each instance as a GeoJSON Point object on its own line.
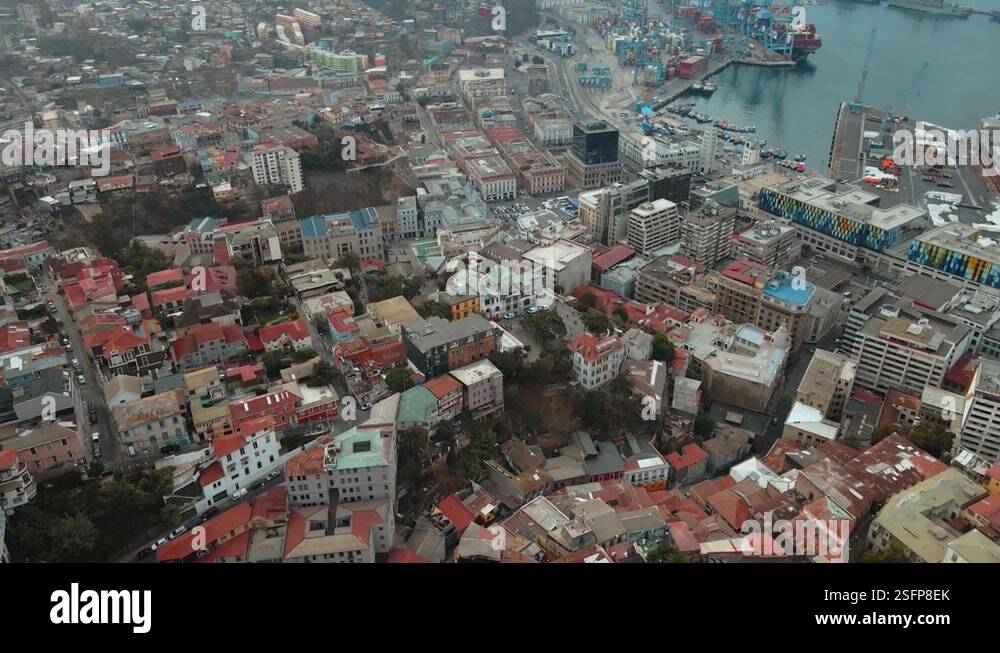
{"type": "Point", "coordinates": [864, 71]}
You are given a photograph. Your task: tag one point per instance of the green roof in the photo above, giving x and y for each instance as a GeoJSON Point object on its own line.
{"type": "Point", "coordinates": [416, 406]}
{"type": "Point", "coordinates": [360, 448]}
{"type": "Point", "coordinates": [425, 249]}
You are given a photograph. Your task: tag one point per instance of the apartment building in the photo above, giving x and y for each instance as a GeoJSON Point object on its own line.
{"type": "Point", "coordinates": [827, 383]}
{"type": "Point", "coordinates": [980, 433]}
{"type": "Point", "coordinates": [707, 234]}
{"type": "Point", "coordinates": [436, 346]}
{"type": "Point", "coordinates": [361, 464]}
{"type": "Point", "coordinates": [605, 212]}
{"type": "Point", "coordinates": [899, 345]}
{"type": "Point", "coordinates": [750, 293]}
{"type": "Point", "coordinates": [771, 243]}
{"type": "Point", "coordinates": [152, 422]}
{"type": "Point", "coordinates": [277, 164]}
{"type": "Point", "coordinates": [17, 487]}
{"type": "Point", "coordinates": [596, 359]}
{"type": "Point", "coordinates": [482, 388]}
{"type": "Point", "coordinates": [241, 459]}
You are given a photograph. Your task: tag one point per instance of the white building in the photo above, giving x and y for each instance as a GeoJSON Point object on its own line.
{"type": "Point", "coordinates": [482, 388]}
{"type": "Point", "coordinates": [981, 432]}
{"type": "Point", "coordinates": [900, 346]}
{"type": "Point", "coordinates": [562, 262]}
{"type": "Point", "coordinates": [277, 165]}
{"type": "Point", "coordinates": [654, 225]}
{"type": "Point", "coordinates": [596, 360]}
{"type": "Point", "coordinates": [241, 459]}
{"type": "Point", "coordinates": [306, 479]}
{"type": "Point", "coordinates": [361, 463]}
{"type": "Point", "coordinates": [706, 150]}
{"type": "Point", "coordinates": [17, 487]}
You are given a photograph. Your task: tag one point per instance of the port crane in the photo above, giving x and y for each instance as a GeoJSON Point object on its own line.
{"type": "Point", "coordinates": [864, 71]}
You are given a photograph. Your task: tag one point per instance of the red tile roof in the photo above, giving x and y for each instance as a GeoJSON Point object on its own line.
{"type": "Point", "coordinates": [613, 256]}
{"type": "Point", "coordinates": [745, 271]}
{"type": "Point", "coordinates": [205, 333]}
{"type": "Point", "coordinates": [228, 522]}
{"type": "Point", "coordinates": [161, 277]}
{"type": "Point", "coordinates": [593, 348]}
{"type": "Point", "coordinates": [8, 458]}
{"type": "Point", "coordinates": [210, 474]}
{"type": "Point", "coordinates": [443, 386]}
{"type": "Point", "coordinates": [690, 454]}
{"type": "Point", "coordinates": [227, 444]}
{"type": "Point", "coordinates": [402, 555]}
{"type": "Point", "coordinates": [14, 336]}
{"type": "Point", "coordinates": [296, 330]}
{"type": "Point", "coordinates": [169, 295]}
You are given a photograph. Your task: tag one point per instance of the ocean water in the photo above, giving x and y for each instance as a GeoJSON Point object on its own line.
{"type": "Point", "coordinates": [795, 108]}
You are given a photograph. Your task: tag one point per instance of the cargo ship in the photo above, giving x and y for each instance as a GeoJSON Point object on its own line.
{"type": "Point", "coordinates": [936, 7]}
{"type": "Point", "coordinates": [801, 36]}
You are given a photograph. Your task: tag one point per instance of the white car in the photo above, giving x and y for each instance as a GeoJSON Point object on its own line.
{"type": "Point", "coordinates": [82, 379]}
{"type": "Point", "coordinates": [177, 531]}
{"type": "Point", "coordinates": [160, 542]}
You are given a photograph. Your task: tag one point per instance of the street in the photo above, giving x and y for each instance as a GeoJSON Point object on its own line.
{"type": "Point", "coordinates": [92, 390]}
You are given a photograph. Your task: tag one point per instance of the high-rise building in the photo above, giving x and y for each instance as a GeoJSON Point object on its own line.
{"type": "Point", "coordinates": [707, 234]}
{"type": "Point", "coordinates": [277, 165]}
{"type": "Point", "coordinates": [669, 183]}
{"type": "Point", "coordinates": [981, 431]}
{"type": "Point", "coordinates": [605, 211]}
{"type": "Point", "coordinates": [706, 153]}
{"type": "Point", "coordinates": [593, 156]}
{"type": "Point", "coordinates": [654, 225]}
{"type": "Point", "coordinates": [771, 243]}
{"type": "Point", "coordinates": [827, 383]}
{"type": "Point", "coordinates": [900, 345]}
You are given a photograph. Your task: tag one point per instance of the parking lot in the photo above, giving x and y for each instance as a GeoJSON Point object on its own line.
{"type": "Point", "coordinates": [513, 209]}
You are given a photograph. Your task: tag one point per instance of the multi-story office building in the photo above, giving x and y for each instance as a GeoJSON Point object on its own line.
{"type": "Point", "coordinates": [707, 234]}
{"type": "Point", "coordinates": [605, 211]}
{"type": "Point", "coordinates": [899, 345]}
{"type": "Point", "coordinates": [669, 182]}
{"type": "Point", "coordinates": [842, 222]}
{"type": "Point", "coordinates": [674, 281]}
{"type": "Point", "coordinates": [771, 243]}
{"type": "Point", "coordinates": [959, 249]}
{"type": "Point", "coordinates": [750, 293]}
{"type": "Point", "coordinates": [654, 225]}
{"type": "Point", "coordinates": [593, 157]}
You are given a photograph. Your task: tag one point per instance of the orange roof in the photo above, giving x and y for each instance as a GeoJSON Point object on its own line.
{"type": "Point", "coordinates": [169, 295]}
{"type": "Point", "coordinates": [307, 463]}
{"type": "Point", "coordinates": [227, 444]}
{"type": "Point", "coordinates": [161, 277]}
{"type": "Point", "coordinates": [443, 386]}
{"type": "Point", "coordinates": [210, 474]}
{"type": "Point", "coordinates": [228, 522]}
{"type": "Point", "coordinates": [210, 332]}
{"type": "Point", "coordinates": [296, 330]}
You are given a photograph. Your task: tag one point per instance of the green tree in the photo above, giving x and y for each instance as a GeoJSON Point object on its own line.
{"type": "Point", "coordinates": [663, 552]}
{"type": "Point", "coordinates": [158, 482]}
{"type": "Point", "coordinates": [72, 539]}
{"type": "Point", "coordinates": [932, 437]}
{"type": "Point", "coordinates": [350, 260]}
{"type": "Point", "coordinates": [546, 326]}
{"type": "Point", "coordinates": [597, 323]}
{"type": "Point", "coordinates": [322, 374]}
{"type": "Point", "coordinates": [663, 348]}
{"type": "Point", "coordinates": [399, 380]}
{"type": "Point", "coordinates": [589, 300]}
{"type": "Point", "coordinates": [509, 363]}
{"type": "Point", "coordinates": [253, 283]}
{"type": "Point", "coordinates": [895, 552]}
{"type": "Point", "coordinates": [883, 431]}
{"type": "Point", "coordinates": [322, 324]}
{"type": "Point", "coordinates": [274, 362]}
{"type": "Point", "coordinates": [621, 314]}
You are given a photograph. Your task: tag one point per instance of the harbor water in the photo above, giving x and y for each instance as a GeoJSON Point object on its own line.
{"type": "Point", "coordinates": [795, 108]}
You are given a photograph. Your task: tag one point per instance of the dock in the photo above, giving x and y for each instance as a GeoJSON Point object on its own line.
{"type": "Point", "coordinates": [677, 86]}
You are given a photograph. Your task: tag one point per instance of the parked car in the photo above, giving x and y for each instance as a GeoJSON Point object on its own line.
{"type": "Point", "coordinates": [508, 316]}
{"type": "Point", "coordinates": [160, 542]}
{"type": "Point", "coordinates": [142, 553]}
{"type": "Point", "coordinates": [177, 532]}
{"type": "Point", "coordinates": [238, 494]}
